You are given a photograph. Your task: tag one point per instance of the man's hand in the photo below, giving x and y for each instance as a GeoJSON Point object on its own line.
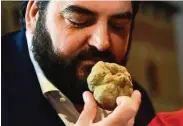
{"type": "Point", "coordinates": [123, 115]}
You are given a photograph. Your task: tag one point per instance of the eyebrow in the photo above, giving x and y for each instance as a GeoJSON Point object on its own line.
{"type": "Point", "coordinates": [78, 9]}
{"type": "Point", "coordinates": [85, 11]}
{"type": "Point", "coordinates": [125, 15]}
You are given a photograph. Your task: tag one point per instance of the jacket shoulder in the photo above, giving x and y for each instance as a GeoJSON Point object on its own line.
{"type": "Point", "coordinates": [146, 111]}
{"type": "Point", "coordinates": [12, 38]}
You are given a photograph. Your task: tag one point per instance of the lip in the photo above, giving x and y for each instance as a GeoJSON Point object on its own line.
{"type": "Point", "coordinates": [89, 62]}
{"type": "Point", "coordinates": [85, 65]}
{"type": "Point", "coordinates": [93, 60]}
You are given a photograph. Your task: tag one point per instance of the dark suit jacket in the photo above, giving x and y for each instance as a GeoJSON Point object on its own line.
{"type": "Point", "coordinates": [22, 101]}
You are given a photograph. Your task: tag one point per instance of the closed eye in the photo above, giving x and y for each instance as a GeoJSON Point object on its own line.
{"type": "Point", "coordinates": [77, 24]}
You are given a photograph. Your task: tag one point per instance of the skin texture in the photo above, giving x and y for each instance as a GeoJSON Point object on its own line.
{"type": "Point", "coordinates": [107, 81]}
{"type": "Point", "coordinates": [63, 35]}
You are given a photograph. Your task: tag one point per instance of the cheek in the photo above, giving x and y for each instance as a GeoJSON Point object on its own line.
{"type": "Point", "coordinates": [119, 46]}
{"type": "Point", "coordinates": [53, 25]}
{"type": "Point", "coordinates": [69, 43]}
{"type": "Point", "coordinates": [65, 40]}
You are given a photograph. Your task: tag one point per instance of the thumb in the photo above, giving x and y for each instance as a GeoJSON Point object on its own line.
{"type": "Point", "coordinates": [90, 109]}
{"type": "Point", "coordinates": [126, 109]}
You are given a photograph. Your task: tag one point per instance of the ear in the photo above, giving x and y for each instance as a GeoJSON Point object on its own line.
{"type": "Point", "coordinates": [31, 16]}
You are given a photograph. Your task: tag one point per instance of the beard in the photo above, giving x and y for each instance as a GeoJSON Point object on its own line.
{"type": "Point", "coordinates": [67, 74]}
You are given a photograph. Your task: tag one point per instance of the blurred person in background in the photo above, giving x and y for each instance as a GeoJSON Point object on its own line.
{"type": "Point", "coordinates": [41, 84]}
{"type": "Point", "coordinates": [174, 118]}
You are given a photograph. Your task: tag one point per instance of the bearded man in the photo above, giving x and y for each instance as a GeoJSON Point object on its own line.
{"type": "Point", "coordinates": [45, 65]}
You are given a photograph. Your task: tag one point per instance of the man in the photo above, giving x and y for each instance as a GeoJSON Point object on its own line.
{"type": "Point", "coordinates": [44, 67]}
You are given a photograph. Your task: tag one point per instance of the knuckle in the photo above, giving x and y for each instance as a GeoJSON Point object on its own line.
{"type": "Point", "coordinates": [81, 119]}
{"type": "Point", "coordinates": [132, 108]}
{"type": "Point", "coordinates": [89, 106]}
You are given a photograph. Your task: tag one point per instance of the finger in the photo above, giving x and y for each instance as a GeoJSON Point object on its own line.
{"type": "Point", "coordinates": [126, 109]}
{"type": "Point", "coordinates": [136, 96]}
{"type": "Point", "coordinates": [90, 109]}
{"type": "Point", "coordinates": [131, 122]}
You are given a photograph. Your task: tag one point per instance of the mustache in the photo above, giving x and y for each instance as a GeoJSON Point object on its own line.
{"type": "Point", "coordinates": [94, 54]}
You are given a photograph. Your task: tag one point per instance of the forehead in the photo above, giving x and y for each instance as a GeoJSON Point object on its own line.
{"type": "Point", "coordinates": [99, 7]}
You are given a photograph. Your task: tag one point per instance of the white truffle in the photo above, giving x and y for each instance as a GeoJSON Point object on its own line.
{"type": "Point", "coordinates": [107, 81]}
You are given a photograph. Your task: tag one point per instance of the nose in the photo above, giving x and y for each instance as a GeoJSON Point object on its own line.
{"type": "Point", "coordinates": [100, 37]}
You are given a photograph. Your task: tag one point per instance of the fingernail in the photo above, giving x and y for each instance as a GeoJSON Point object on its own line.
{"type": "Point", "coordinates": [85, 97]}
{"type": "Point", "coordinates": [121, 100]}
{"type": "Point", "coordinates": [118, 101]}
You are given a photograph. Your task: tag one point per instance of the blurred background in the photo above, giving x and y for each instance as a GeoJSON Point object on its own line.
{"type": "Point", "coordinates": [156, 56]}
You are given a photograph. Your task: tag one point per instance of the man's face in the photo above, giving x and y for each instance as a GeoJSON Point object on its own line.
{"type": "Point", "coordinates": [77, 34]}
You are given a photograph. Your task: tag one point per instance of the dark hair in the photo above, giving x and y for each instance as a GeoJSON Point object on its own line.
{"type": "Point", "coordinates": [135, 7]}
{"type": "Point", "coordinates": [22, 13]}
{"type": "Point", "coordinates": [41, 6]}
